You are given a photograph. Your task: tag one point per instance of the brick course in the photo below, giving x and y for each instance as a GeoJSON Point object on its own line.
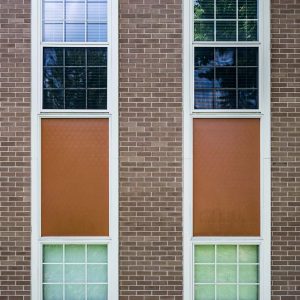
{"type": "Point", "coordinates": [14, 149]}
{"type": "Point", "coordinates": [285, 149]}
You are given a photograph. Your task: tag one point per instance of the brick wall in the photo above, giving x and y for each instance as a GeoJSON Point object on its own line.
{"type": "Point", "coordinates": [15, 149]}
{"type": "Point", "coordinates": [150, 149]}
{"type": "Point", "coordinates": [285, 149]}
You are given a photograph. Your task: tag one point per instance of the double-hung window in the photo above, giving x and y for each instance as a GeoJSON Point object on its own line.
{"type": "Point", "coordinates": [75, 149]}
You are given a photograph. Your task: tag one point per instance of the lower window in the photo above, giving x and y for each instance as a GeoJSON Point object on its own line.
{"type": "Point", "coordinates": [226, 272]}
{"type": "Point", "coordinates": [75, 272]}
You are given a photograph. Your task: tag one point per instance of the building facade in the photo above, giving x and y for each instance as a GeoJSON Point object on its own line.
{"type": "Point", "coordinates": [182, 117]}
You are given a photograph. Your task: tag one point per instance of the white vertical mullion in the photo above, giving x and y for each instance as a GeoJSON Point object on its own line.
{"type": "Point", "coordinates": [215, 271]}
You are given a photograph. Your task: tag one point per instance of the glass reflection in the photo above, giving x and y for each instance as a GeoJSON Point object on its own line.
{"type": "Point", "coordinates": [225, 99]}
{"type": "Point", "coordinates": [204, 78]}
{"type": "Point", "coordinates": [203, 9]}
{"type": "Point", "coordinates": [225, 56]}
{"type": "Point", "coordinates": [248, 99]}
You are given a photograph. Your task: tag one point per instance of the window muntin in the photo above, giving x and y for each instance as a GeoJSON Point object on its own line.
{"type": "Point", "coordinates": [226, 272]}
{"type": "Point", "coordinates": [75, 78]}
{"type": "Point", "coordinates": [75, 20]}
{"type": "Point", "coordinates": [75, 271]}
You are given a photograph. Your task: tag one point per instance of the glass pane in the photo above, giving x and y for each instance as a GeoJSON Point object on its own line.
{"type": "Point", "coordinates": [75, 57]}
{"type": "Point", "coordinates": [96, 77]}
{"type": "Point", "coordinates": [204, 273]}
{"type": "Point", "coordinates": [97, 254]}
{"type": "Point", "coordinates": [75, 292]}
{"type": "Point", "coordinates": [97, 273]}
{"type": "Point", "coordinates": [205, 292]}
{"type": "Point", "coordinates": [52, 32]}
{"type": "Point", "coordinates": [52, 292]}
{"type": "Point", "coordinates": [226, 31]}
{"type": "Point", "coordinates": [53, 11]}
{"type": "Point", "coordinates": [74, 273]}
{"type": "Point", "coordinates": [96, 32]}
{"type": "Point", "coordinates": [53, 57]}
{"type": "Point", "coordinates": [204, 31]}
{"type": "Point", "coordinates": [75, 12]}
{"type": "Point", "coordinates": [248, 254]}
{"type": "Point", "coordinates": [53, 253]}
{"type": "Point", "coordinates": [97, 12]}
{"type": "Point", "coordinates": [52, 273]}
{"type": "Point", "coordinates": [248, 273]}
{"type": "Point", "coordinates": [97, 292]}
{"type": "Point", "coordinates": [227, 292]}
{"type": "Point", "coordinates": [203, 9]}
{"type": "Point", "coordinates": [226, 9]}
{"type": "Point", "coordinates": [225, 78]}
{"type": "Point", "coordinates": [204, 57]}
{"type": "Point", "coordinates": [249, 292]}
{"type": "Point", "coordinates": [75, 32]}
{"type": "Point", "coordinates": [248, 31]}
{"type": "Point", "coordinates": [247, 9]}
{"type": "Point", "coordinates": [225, 56]}
{"type": "Point", "coordinates": [226, 254]}
{"type": "Point", "coordinates": [74, 253]}
{"type": "Point", "coordinates": [53, 99]}
{"type": "Point", "coordinates": [248, 77]}
{"type": "Point", "coordinates": [97, 56]}
{"type": "Point", "coordinates": [204, 99]}
{"type": "Point", "coordinates": [248, 56]}
{"type": "Point", "coordinates": [75, 77]}
{"type": "Point", "coordinates": [226, 273]}
{"type": "Point", "coordinates": [53, 78]}
{"type": "Point", "coordinates": [248, 99]}
{"type": "Point", "coordinates": [225, 99]}
{"type": "Point", "coordinates": [205, 254]}
{"type": "Point", "coordinates": [75, 99]}
{"type": "Point", "coordinates": [204, 78]}
{"type": "Point", "coordinates": [96, 99]}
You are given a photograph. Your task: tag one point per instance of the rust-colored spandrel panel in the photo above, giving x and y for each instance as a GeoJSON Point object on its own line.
{"type": "Point", "coordinates": [226, 177]}
{"type": "Point", "coordinates": [75, 179]}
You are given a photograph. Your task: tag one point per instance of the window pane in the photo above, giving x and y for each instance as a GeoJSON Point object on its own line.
{"type": "Point", "coordinates": [226, 273]}
{"type": "Point", "coordinates": [96, 32]}
{"type": "Point", "coordinates": [53, 254]}
{"type": "Point", "coordinates": [53, 78]}
{"type": "Point", "coordinates": [248, 273]}
{"type": "Point", "coordinates": [248, 99]}
{"type": "Point", "coordinates": [204, 31]}
{"type": "Point", "coordinates": [226, 9]}
{"type": "Point", "coordinates": [248, 31]}
{"type": "Point", "coordinates": [96, 99]}
{"type": "Point", "coordinates": [97, 12]}
{"type": "Point", "coordinates": [75, 57]}
{"type": "Point", "coordinates": [226, 254]}
{"type": "Point", "coordinates": [53, 32]}
{"type": "Point", "coordinates": [225, 99]}
{"type": "Point", "coordinates": [97, 273]}
{"type": "Point", "coordinates": [75, 253]}
{"type": "Point", "coordinates": [53, 11]}
{"type": "Point", "coordinates": [97, 292]}
{"type": "Point", "coordinates": [204, 99]}
{"type": "Point", "coordinates": [248, 56]}
{"type": "Point", "coordinates": [52, 273]}
{"type": "Point", "coordinates": [96, 56]}
{"type": "Point", "coordinates": [75, 12]}
{"type": "Point", "coordinates": [225, 78]}
{"type": "Point", "coordinates": [204, 78]}
{"type": "Point", "coordinates": [204, 273]}
{"type": "Point", "coordinates": [205, 292]}
{"type": "Point", "coordinates": [75, 292]}
{"type": "Point", "coordinates": [205, 254]}
{"type": "Point", "coordinates": [203, 9]}
{"type": "Point", "coordinates": [75, 99]}
{"type": "Point", "coordinates": [226, 292]}
{"type": "Point", "coordinates": [248, 77]}
{"type": "Point", "coordinates": [247, 9]}
{"type": "Point", "coordinates": [52, 291]}
{"type": "Point", "coordinates": [53, 57]}
{"type": "Point", "coordinates": [225, 56]}
{"type": "Point", "coordinates": [53, 99]}
{"type": "Point", "coordinates": [226, 31]}
{"type": "Point", "coordinates": [248, 254]}
{"type": "Point", "coordinates": [96, 254]}
{"type": "Point", "coordinates": [75, 77]}
{"type": "Point", "coordinates": [249, 292]}
{"type": "Point", "coordinates": [204, 57]}
{"type": "Point", "coordinates": [75, 32]}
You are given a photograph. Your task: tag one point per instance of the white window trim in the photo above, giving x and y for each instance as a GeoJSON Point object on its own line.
{"type": "Point", "coordinates": [263, 113]}
{"type": "Point", "coordinates": [37, 114]}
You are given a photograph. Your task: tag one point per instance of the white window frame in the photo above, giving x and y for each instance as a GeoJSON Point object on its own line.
{"type": "Point", "coordinates": [38, 114]}
{"type": "Point", "coordinates": [263, 113]}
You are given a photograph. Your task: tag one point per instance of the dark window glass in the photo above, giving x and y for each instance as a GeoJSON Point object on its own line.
{"type": "Point", "coordinates": [75, 78]}
{"type": "Point", "coordinates": [247, 9]}
{"type": "Point", "coordinates": [204, 9]}
{"type": "Point", "coordinates": [204, 31]}
{"type": "Point", "coordinates": [226, 9]}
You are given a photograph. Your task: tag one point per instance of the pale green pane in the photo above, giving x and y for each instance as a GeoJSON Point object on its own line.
{"type": "Point", "coordinates": [52, 273]}
{"type": "Point", "coordinates": [204, 273]}
{"type": "Point", "coordinates": [249, 292]}
{"type": "Point", "coordinates": [248, 273]}
{"type": "Point", "coordinates": [226, 254]}
{"type": "Point", "coordinates": [53, 253]}
{"type": "Point", "coordinates": [205, 292]}
{"type": "Point", "coordinates": [97, 253]}
{"type": "Point", "coordinates": [205, 254]}
{"type": "Point", "coordinates": [248, 254]}
{"type": "Point", "coordinates": [75, 253]}
{"type": "Point", "coordinates": [52, 292]}
{"type": "Point", "coordinates": [226, 273]}
{"type": "Point", "coordinates": [226, 292]}
{"type": "Point", "coordinates": [75, 273]}
{"type": "Point", "coordinates": [97, 273]}
{"type": "Point", "coordinates": [97, 292]}
{"type": "Point", "coordinates": [75, 292]}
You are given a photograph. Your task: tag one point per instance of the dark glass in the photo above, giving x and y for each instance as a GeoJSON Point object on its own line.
{"type": "Point", "coordinates": [53, 99]}
{"type": "Point", "coordinates": [248, 56]}
{"type": "Point", "coordinates": [203, 9]}
{"type": "Point", "coordinates": [96, 77]}
{"type": "Point", "coordinates": [96, 56]}
{"type": "Point", "coordinates": [75, 77]}
{"type": "Point", "coordinates": [247, 9]}
{"type": "Point", "coordinates": [226, 31]}
{"type": "Point", "coordinates": [53, 78]}
{"type": "Point", "coordinates": [248, 99]}
{"type": "Point", "coordinates": [226, 9]}
{"type": "Point", "coordinates": [53, 57]}
{"type": "Point", "coordinates": [225, 77]}
{"type": "Point", "coordinates": [204, 31]}
{"type": "Point", "coordinates": [225, 56]}
{"type": "Point", "coordinates": [204, 57]}
{"type": "Point", "coordinates": [75, 99]}
{"type": "Point", "coordinates": [225, 99]}
{"type": "Point", "coordinates": [248, 31]}
{"type": "Point", "coordinates": [204, 99]}
{"type": "Point", "coordinates": [75, 57]}
{"type": "Point", "coordinates": [248, 77]}
{"type": "Point", "coordinates": [204, 78]}
{"type": "Point", "coordinates": [96, 99]}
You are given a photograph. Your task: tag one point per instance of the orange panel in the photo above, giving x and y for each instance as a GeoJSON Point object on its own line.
{"type": "Point", "coordinates": [226, 177]}
{"type": "Point", "coordinates": [75, 177]}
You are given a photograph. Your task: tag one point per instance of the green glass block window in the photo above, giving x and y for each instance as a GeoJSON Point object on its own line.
{"type": "Point", "coordinates": [225, 20]}
{"type": "Point", "coordinates": [75, 272]}
{"type": "Point", "coordinates": [226, 272]}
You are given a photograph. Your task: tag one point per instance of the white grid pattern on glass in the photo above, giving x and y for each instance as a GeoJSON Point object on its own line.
{"type": "Point", "coordinates": [75, 271]}
{"type": "Point", "coordinates": [224, 272]}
